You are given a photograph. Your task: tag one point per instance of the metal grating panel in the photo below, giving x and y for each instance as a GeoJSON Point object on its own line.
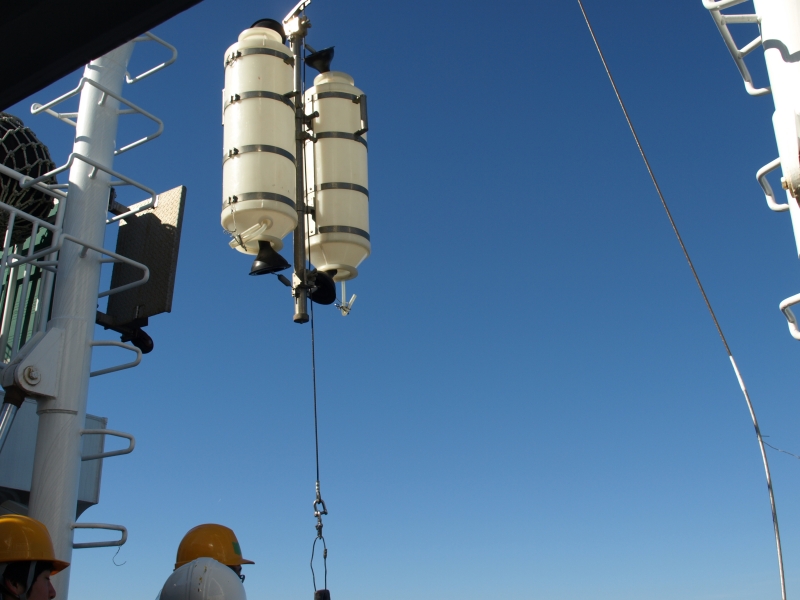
{"type": "Point", "coordinates": [152, 238]}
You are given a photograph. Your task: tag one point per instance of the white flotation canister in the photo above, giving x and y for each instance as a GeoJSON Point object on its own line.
{"type": "Point", "coordinates": [259, 168]}
{"type": "Point", "coordinates": [337, 190]}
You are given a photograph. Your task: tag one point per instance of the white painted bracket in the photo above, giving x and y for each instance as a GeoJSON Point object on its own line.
{"type": "Point", "coordinates": [105, 544]}
{"type": "Point", "coordinates": [787, 126]}
{"type": "Point", "coordinates": [37, 367]}
{"type": "Point", "coordinates": [786, 309]}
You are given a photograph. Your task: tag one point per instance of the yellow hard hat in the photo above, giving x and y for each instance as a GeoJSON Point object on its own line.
{"type": "Point", "coordinates": [210, 541]}
{"type": "Point", "coordinates": [23, 538]}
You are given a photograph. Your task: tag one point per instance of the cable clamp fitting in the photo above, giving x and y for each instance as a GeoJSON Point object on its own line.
{"type": "Point", "coordinates": [319, 510]}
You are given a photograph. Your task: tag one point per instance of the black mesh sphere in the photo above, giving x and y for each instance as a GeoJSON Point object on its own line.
{"type": "Point", "coordinates": [22, 151]}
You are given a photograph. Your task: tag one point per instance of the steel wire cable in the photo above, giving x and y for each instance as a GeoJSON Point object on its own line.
{"type": "Point", "coordinates": [705, 298]}
{"type": "Point", "coordinates": [307, 216]}
{"type": "Point", "coordinates": [316, 452]}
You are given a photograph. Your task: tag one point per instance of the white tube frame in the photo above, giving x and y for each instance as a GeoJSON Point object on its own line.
{"type": "Point", "coordinates": [737, 53]}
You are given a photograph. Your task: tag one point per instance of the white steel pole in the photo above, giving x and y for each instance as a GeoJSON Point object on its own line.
{"type": "Point", "coordinates": [57, 462]}
{"type": "Point", "coordinates": [780, 37]}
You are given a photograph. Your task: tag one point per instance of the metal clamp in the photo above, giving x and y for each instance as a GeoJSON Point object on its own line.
{"type": "Point", "coordinates": [121, 434]}
{"type": "Point", "coordinates": [149, 37]}
{"type": "Point", "coordinates": [737, 53]}
{"type": "Point", "coordinates": [233, 56]}
{"type": "Point", "coordinates": [121, 367]}
{"type": "Point", "coordinates": [123, 538]}
{"type": "Point", "coordinates": [282, 98]}
{"type": "Point", "coordinates": [258, 148]}
{"type": "Point", "coordinates": [298, 8]}
{"type": "Point", "coordinates": [342, 135]}
{"type": "Point", "coordinates": [362, 102]}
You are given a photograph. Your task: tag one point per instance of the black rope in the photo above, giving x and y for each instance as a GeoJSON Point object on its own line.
{"type": "Point", "coordinates": [708, 305]}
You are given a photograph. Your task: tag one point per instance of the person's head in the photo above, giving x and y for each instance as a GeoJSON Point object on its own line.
{"type": "Point", "coordinates": [28, 579]}
{"type": "Point", "coordinates": [212, 541]}
{"type": "Point", "coordinates": [27, 559]}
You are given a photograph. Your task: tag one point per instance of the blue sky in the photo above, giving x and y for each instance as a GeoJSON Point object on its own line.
{"type": "Point", "coordinates": [529, 399]}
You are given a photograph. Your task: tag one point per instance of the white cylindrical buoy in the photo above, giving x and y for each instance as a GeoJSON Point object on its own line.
{"type": "Point", "coordinates": [258, 169]}
{"type": "Point", "coordinates": [336, 176]}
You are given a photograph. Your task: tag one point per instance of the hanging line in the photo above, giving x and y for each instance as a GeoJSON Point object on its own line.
{"type": "Point", "coordinates": [319, 504]}
{"type": "Point", "coordinates": [708, 305]}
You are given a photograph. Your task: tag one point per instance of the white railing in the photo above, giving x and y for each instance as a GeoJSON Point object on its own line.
{"type": "Point", "coordinates": [737, 53]}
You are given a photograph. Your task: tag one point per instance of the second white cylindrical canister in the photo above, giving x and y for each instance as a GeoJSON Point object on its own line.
{"type": "Point", "coordinates": [337, 190]}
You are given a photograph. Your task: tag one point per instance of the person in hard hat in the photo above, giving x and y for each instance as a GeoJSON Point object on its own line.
{"type": "Point", "coordinates": [27, 559]}
{"type": "Point", "coordinates": [212, 541]}
{"type": "Point", "coordinates": [203, 579]}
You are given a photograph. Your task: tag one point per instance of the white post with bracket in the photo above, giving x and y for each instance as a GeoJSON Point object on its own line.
{"type": "Point", "coordinates": [780, 37]}
{"type": "Point", "coordinates": [57, 462]}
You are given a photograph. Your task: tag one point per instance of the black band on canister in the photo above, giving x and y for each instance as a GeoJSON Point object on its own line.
{"type": "Point", "coordinates": [342, 185]}
{"type": "Point", "coordinates": [258, 148]}
{"type": "Point", "coordinates": [343, 135]}
{"type": "Point", "coordinates": [287, 58]}
{"type": "Point", "coordinates": [262, 196]}
{"type": "Point", "coordinates": [343, 229]}
{"type": "Point", "coordinates": [258, 94]}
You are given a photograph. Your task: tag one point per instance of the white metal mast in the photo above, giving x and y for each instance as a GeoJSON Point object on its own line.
{"type": "Point", "coordinates": [779, 22]}
{"type": "Point", "coordinates": [56, 469]}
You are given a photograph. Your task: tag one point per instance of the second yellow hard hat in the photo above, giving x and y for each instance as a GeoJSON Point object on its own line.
{"type": "Point", "coordinates": [210, 541]}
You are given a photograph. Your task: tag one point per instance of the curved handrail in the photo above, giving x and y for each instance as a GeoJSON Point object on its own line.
{"type": "Point", "coordinates": [121, 367]}
{"type": "Point", "coordinates": [761, 176]}
{"type": "Point", "coordinates": [115, 433]}
{"type": "Point", "coordinates": [122, 529]}
{"type": "Point", "coordinates": [786, 309]}
{"type": "Point", "coordinates": [150, 37]}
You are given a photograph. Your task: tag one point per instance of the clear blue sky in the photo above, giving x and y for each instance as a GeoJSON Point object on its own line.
{"type": "Point", "coordinates": [529, 399]}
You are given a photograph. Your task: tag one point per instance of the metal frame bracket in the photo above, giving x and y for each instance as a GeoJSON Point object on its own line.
{"type": "Point", "coordinates": [37, 367]}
